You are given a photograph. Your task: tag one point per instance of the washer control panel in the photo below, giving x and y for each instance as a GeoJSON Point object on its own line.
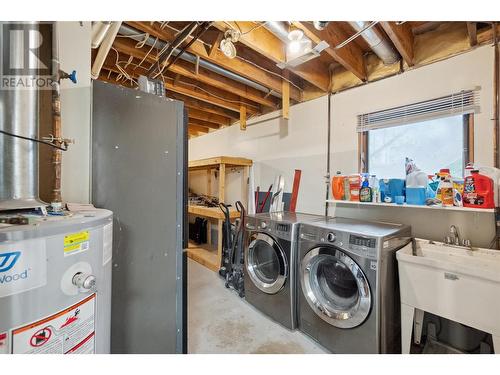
{"type": "Point", "coordinates": [331, 237]}
{"type": "Point", "coordinates": [366, 246]}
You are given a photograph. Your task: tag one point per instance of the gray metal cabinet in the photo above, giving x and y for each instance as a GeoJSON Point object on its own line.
{"type": "Point", "coordinates": [138, 172]}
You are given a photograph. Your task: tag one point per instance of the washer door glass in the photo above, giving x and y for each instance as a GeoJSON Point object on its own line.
{"type": "Point", "coordinates": [266, 264]}
{"type": "Point", "coordinates": [335, 287]}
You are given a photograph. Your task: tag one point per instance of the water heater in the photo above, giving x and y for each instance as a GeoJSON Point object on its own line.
{"type": "Point", "coordinates": [55, 283]}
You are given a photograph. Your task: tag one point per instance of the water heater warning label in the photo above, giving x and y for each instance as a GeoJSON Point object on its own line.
{"type": "Point", "coordinates": [69, 331]}
{"type": "Point", "coordinates": [76, 243]}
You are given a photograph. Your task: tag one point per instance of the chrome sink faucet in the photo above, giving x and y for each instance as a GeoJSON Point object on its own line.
{"type": "Point", "coordinates": [455, 235]}
{"type": "Point", "coordinates": [454, 238]}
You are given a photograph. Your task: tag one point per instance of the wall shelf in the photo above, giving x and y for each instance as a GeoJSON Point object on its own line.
{"type": "Point", "coordinates": [375, 204]}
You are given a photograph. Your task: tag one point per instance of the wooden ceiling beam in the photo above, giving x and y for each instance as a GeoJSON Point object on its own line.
{"type": "Point", "coordinates": [206, 94]}
{"type": "Point", "coordinates": [236, 65]}
{"type": "Point", "coordinates": [208, 117]}
{"type": "Point", "coordinates": [350, 56]}
{"type": "Point", "coordinates": [206, 124]}
{"type": "Point", "coordinates": [197, 128]}
{"type": "Point", "coordinates": [472, 31]}
{"type": "Point", "coordinates": [402, 38]}
{"type": "Point", "coordinates": [186, 69]}
{"type": "Point", "coordinates": [205, 107]}
{"type": "Point", "coordinates": [270, 46]}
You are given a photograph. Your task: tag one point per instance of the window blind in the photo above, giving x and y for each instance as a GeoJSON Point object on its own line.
{"type": "Point", "coordinates": [463, 102]}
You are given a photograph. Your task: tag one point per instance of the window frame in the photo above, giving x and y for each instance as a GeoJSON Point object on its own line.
{"type": "Point", "coordinates": [468, 147]}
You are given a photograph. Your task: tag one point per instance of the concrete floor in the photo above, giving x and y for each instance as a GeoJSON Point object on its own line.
{"type": "Point", "coordinates": [221, 322]}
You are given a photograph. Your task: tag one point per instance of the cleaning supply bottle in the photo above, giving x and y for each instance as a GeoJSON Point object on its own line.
{"type": "Point", "coordinates": [468, 169]}
{"type": "Point", "coordinates": [478, 191]}
{"type": "Point", "coordinates": [365, 193]}
{"type": "Point", "coordinates": [446, 192]}
{"type": "Point", "coordinates": [354, 186]}
{"type": "Point", "coordinates": [338, 186]}
{"type": "Point", "coordinates": [373, 183]}
{"type": "Point", "coordinates": [347, 190]}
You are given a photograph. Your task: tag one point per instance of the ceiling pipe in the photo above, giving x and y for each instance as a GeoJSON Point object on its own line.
{"type": "Point", "coordinates": [279, 29]}
{"type": "Point", "coordinates": [186, 56]}
{"type": "Point", "coordinates": [99, 31]}
{"type": "Point", "coordinates": [380, 46]}
{"type": "Point", "coordinates": [106, 44]}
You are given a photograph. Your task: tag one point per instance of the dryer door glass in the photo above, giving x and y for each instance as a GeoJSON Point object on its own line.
{"type": "Point", "coordinates": [266, 263]}
{"type": "Point", "coordinates": [335, 287]}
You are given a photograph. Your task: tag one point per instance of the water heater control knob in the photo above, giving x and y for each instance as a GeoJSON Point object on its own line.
{"type": "Point", "coordinates": [84, 281]}
{"type": "Point", "coordinates": [331, 237]}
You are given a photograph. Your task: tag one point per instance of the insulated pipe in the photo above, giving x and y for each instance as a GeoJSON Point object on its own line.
{"type": "Point", "coordinates": [19, 115]}
{"type": "Point", "coordinates": [104, 49]}
{"type": "Point", "coordinates": [186, 56]}
{"type": "Point", "coordinates": [99, 30]}
{"type": "Point", "coordinates": [382, 48]}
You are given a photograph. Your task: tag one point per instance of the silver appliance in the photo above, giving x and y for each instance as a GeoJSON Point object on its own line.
{"type": "Point", "coordinates": [349, 295]}
{"type": "Point", "coordinates": [55, 283]}
{"type": "Point", "coordinates": [270, 264]}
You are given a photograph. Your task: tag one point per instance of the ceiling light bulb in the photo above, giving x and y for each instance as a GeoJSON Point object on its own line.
{"type": "Point", "coordinates": [295, 35]}
{"type": "Point", "coordinates": [228, 48]}
{"type": "Point", "coordinates": [294, 46]}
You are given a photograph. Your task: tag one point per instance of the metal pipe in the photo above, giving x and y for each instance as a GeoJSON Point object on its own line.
{"type": "Point", "coordinates": [104, 49]}
{"type": "Point", "coordinates": [328, 151]}
{"type": "Point", "coordinates": [382, 48]}
{"type": "Point", "coordinates": [350, 39]}
{"type": "Point", "coordinates": [279, 29]}
{"type": "Point", "coordinates": [55, 196]}
{"type": "Point", "coordinates": [18, 115]}
{"type": "Point", "coordinates": [186, 56]}
{"type": "Point", "coordinates": [496, 98]}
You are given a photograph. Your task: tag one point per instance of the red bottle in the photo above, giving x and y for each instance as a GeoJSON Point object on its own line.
{"type": "Point", "coordinates": [478, 191]}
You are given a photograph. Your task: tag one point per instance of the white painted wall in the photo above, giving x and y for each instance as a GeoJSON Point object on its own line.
{"type": "Point", "coordinates": [74, 54]}
{"type": "Point", "coordinates": [301, 142]}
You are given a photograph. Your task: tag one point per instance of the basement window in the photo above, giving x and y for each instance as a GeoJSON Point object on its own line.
{"type": "Point", "coordinates": [433, 144]}
{"type": "Point", "coordinates": [435, 134]}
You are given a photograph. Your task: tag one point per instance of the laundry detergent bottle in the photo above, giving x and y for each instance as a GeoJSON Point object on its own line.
{"type": "Point", "coordinates": [338, 186]}
{"type": "Point", "coordinates": [478, 191]}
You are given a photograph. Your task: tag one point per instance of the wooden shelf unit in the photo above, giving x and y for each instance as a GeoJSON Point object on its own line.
{"type": "Point", "coordinates": [206, 254]}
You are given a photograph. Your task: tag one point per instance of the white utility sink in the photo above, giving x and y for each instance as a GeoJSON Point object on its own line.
{"type": "Point", "coordinates": [454, 282]}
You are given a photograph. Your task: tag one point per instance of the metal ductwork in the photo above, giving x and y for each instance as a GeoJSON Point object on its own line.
{"type": "Point", "coordinates": [18, 115]}
{"type": "Point", "coordinates": [186, 56]}
{"type": "Point", "coordinates": [279, 29]}
{"type": "Point", "coordinates": [382, 48]}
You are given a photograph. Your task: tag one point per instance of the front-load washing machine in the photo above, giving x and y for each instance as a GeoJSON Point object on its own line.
{"type": "Point", "coordinates": [349, 295]}
{"type": "Point", "coordinates": [270, 263]}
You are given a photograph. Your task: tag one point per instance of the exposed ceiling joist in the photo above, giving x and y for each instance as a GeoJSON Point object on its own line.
{"type": "Point", "coordinates": [206, 124]}
{"type": "Point", "coordinates": [208, 117]}
{"type": "Point", "coordinates": [198, 128]}
{"type": "Point", "coordinates": [402, 38]}
{"type": "Point", "coordinates": [270, 46]}
{"type": "Point", "coordinates": [238, 66]}
{"type": "Point", "coordinates": [205, 107]}
{"type": "Point", "coordinates": [196, 91]}
{"type": "Point", "coordinates": [186, 69]}
{"type": "Point", "coordinates": [350, 56]}
{"type": "Point", "coordinates": [472, 31]}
